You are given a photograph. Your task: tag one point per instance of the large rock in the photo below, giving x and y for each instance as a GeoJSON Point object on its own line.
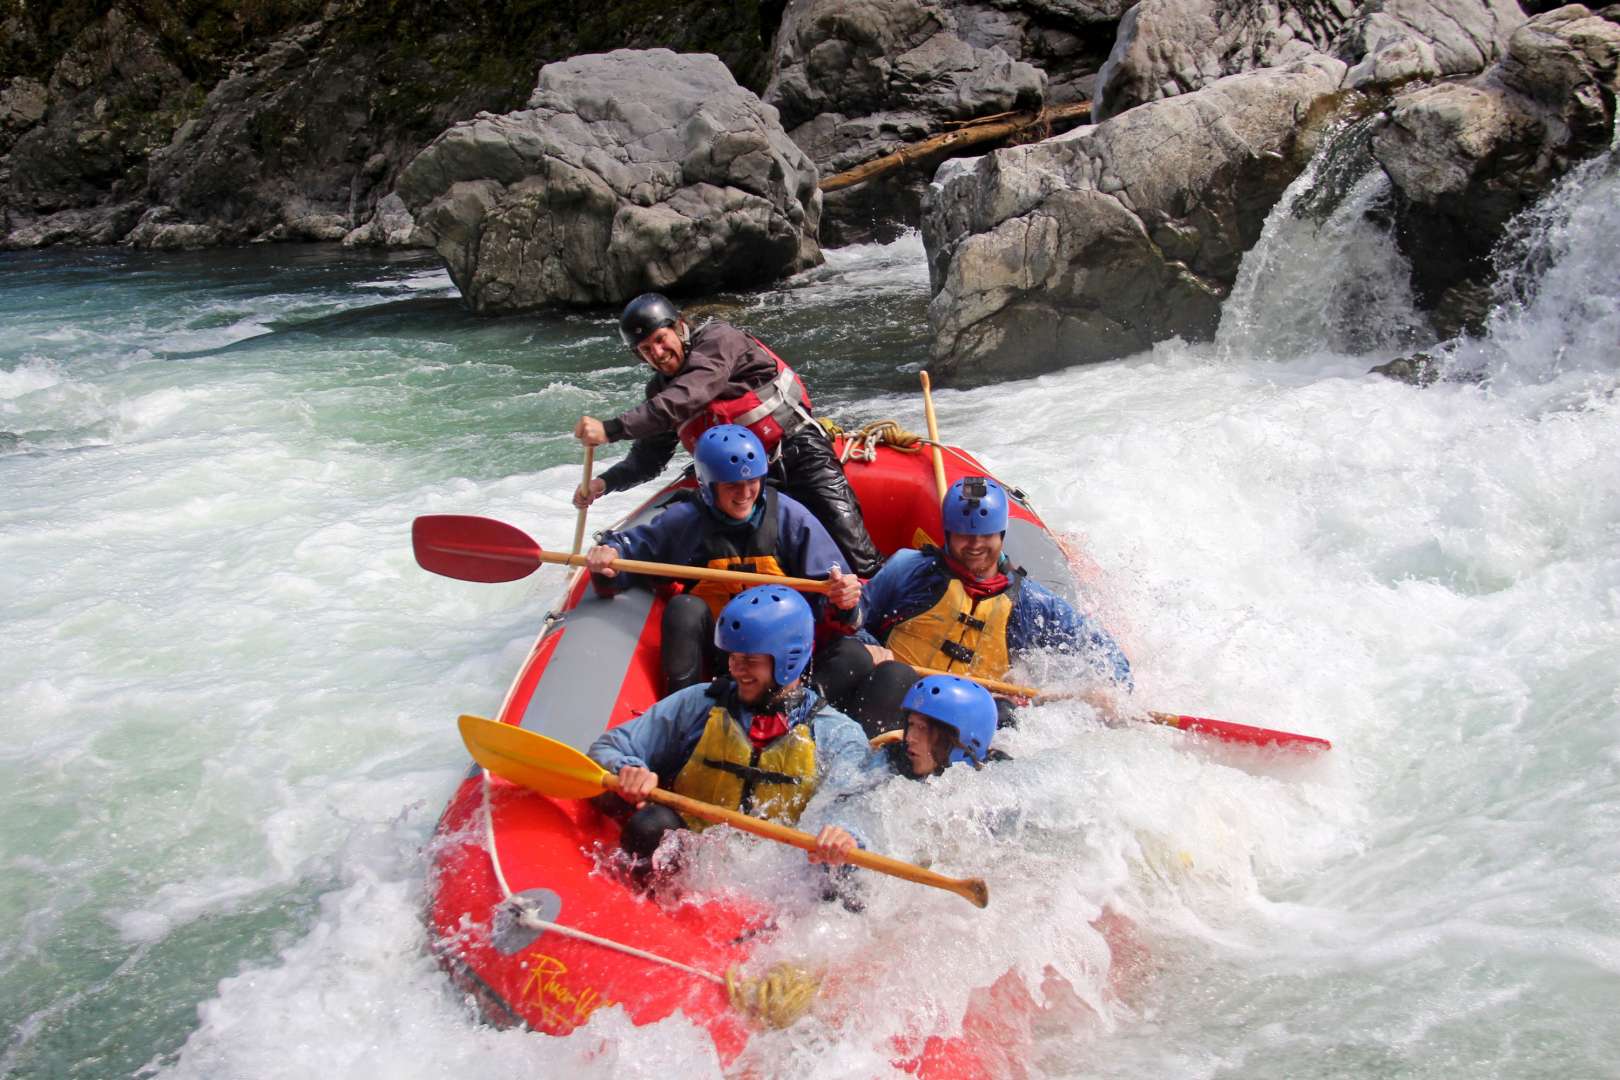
{"type": "Point", "coordinates": [628, 171]}
{"type": "Point", "coordinates": [1466, 157]}
{"type": "Point", "coordinates": [1097, 244]}
{"type": "Point", "coordinates": [859, 57]}
{"type": "Point", "coordinates": [857, 79]}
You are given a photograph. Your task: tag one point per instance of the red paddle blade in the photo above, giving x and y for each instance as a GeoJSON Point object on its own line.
{"type": "Point", "coordinates": [1241, 733]}
{"type": "Point", "coordinates": [473, 548]}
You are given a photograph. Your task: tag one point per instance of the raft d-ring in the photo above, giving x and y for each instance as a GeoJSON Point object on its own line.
{"type": "Point", "coordinates": [513, 929]}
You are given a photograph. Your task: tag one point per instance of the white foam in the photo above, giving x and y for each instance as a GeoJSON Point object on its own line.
{"type": "Point", "coordinates": [231, 695]}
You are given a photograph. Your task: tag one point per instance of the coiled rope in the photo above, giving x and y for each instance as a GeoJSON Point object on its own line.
{"type": "Point", "coordinates": [862, 444]}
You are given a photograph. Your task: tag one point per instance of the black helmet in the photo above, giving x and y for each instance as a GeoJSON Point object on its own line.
{"type": "Point", "coordinates": [643, 315]}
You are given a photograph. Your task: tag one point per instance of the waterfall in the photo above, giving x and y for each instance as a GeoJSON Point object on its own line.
{"type": "Point", "coordinates": [1326, 275]}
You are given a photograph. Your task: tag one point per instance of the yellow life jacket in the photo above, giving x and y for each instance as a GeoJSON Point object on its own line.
{"type": "Point", "coordinates": [752, 553]}
{"type": "Point", "coordinates": [775, 782]}
{"type": "Point", "coordinates": [956, 634]}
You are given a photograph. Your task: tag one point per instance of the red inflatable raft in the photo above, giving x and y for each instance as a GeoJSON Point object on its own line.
{"type": "Point", "coordinates": [510, 866]}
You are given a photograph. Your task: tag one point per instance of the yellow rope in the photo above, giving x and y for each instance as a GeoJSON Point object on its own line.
{"type": "Point", "coordinates": [864, 441]}
{"type": "Point", "coordinates": [784, 994]}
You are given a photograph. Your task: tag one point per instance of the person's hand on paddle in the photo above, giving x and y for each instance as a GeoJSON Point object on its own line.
{"type": "Point", "coordinates": [879, 654]}
{"type": "Point", "coordinates": [833, 846]}
{"type": "Point", "coordinates": [590, 431]}
{"type": "Point", "coordinates": [636, 783]}
{"type": "Point", "coordinates": [584, 498]}
{"type": "Point", "coordinates": [844, 590]}
{"type": "Point", "coordinates": [599, 560]}
{"type": "Point", "coordinates": [1106, 700]}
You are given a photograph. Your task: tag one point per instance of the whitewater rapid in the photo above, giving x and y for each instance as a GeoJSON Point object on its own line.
{"type": "Point", "coordinates": [230, 693]}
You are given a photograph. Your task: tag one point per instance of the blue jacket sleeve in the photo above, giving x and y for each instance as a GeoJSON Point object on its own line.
{"type": "Point", "coordinates": [848, 768]}
{"type": "Point", "coordinates": [1044, 620]}
{"type": "Point", "coordinates": [805, 549]}
{"type": "Point", "coordinates": [893, 594]}
{"type": "Point", "coordinates": [660, 739]}
{"type": "Point", "coordinates": [671, 537]}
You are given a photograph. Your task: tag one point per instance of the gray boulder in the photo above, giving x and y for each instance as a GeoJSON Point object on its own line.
{"type": "Point", "coordinates": [859, 58]}
{"type": "Point", "coordinates": [1466, 157]}
{"type": "Point", "coordinates": [627, 171]}
{"type": "Point", "coordinates": [1096, 244]}
{"type": "Point", "coordinates": [391, 227]}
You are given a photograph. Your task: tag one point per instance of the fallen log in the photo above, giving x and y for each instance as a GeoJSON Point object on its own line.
{"type": "Point", "coordinates": [998, 128]}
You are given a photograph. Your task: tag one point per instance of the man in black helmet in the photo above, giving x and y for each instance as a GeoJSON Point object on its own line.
{"type": "Point", "coordinates": [717, 374]}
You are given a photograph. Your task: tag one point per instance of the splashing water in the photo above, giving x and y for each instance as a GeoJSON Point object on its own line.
{"type": "Point", "coordinates": [1325, 275]}
{"type": "Point", "coordinates": [231, 693]}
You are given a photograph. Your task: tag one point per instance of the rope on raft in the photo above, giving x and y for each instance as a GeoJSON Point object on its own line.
{"type": "Point", "coordinates": [776, 999]}
{"type": "Point", "coordinates": [862, 444]}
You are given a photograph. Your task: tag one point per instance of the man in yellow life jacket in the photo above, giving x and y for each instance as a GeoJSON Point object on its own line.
{"type": "Point", "coordinates": [761, 741]}
{"type": "Point", "coordinates": [963, 609]}
{"type": "Point", "coordinates": [736, 523]}
{"type": "Point", "coordinates": [713, 374]}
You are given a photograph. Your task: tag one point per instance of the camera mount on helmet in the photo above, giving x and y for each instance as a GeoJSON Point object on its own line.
{"type": "Point", "coordinates": [975, 506]}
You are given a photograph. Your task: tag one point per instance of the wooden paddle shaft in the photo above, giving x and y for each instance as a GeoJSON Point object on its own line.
{"type": "Point", "coordinates": [585, 486]}
{"type": "Point", "coordinates": [995, 686]}
{"type": "Point", "coordinates": [556, 769]}
{"type": "Point", "coordinates": [699, 573]}
{"type": "Point", "coordinates": [933, 436]}
{"type": "Point", "coordinates": [973, 890]}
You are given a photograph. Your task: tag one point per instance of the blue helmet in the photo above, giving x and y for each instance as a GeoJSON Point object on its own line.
{"type": "Point", "coordinates": [957, 703]}
{"type": "Point", "coordinates": [725, 454]}
{"type": "Point", "coordinates": [975, 506]}
{"type": "Point", "coordinates": [773, 620]}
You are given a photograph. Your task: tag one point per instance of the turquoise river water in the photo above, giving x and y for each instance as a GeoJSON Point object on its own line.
{"type": "Point", "coordinates": [228, 694]}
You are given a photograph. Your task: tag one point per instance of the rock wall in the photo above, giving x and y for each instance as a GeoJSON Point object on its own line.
{"type": "Point", "coordinates": [1077, 250]}
{"type": "Point", "coordinates": [1097, 244]}
{"type": "Point", "coordinates": [857, 79]}
{"type": "Point", "coordinates": [1466, 156]}
{"type": "Point", "coordinates": [1169, 47]}
{"type": "Point", "coordinates": [169, 124]}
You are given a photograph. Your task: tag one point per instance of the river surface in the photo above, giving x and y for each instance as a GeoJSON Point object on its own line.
{"type": "Point", "coordinates": [229, 694]}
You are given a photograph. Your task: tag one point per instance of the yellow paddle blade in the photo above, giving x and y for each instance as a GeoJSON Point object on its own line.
{"type": "Point", "coordinates": [534, 761]}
